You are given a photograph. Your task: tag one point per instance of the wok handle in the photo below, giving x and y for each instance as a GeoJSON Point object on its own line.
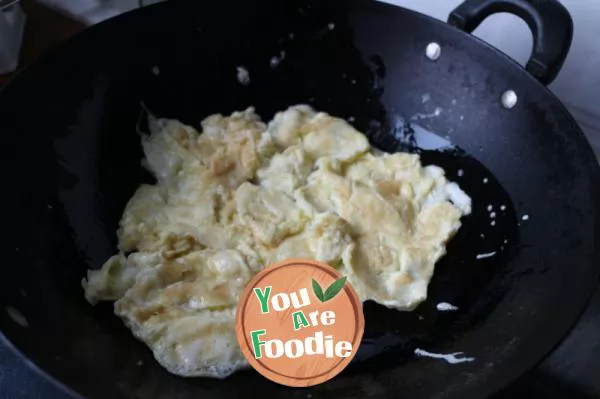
{"type": "Point", "coordinates": [549, 21]}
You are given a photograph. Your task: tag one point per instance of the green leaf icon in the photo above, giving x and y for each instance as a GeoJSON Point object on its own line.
{"type": "Point", "coordinates": [331, 292]}
{"type": "Point", "coordinates": [317, 290]}
{"type": "Point", "coordinates": [334, 289]}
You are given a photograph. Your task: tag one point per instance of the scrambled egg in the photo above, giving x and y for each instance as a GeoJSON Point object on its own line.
{"type": "Point", "coordinates": [243, 195]}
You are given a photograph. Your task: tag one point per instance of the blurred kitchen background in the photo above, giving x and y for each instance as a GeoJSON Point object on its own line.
{"type": "Point", "coordinates": [40, 24]}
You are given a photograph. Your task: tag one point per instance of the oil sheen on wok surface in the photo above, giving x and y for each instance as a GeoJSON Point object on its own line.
{"type": "Point", "coordinates": [243, 195]}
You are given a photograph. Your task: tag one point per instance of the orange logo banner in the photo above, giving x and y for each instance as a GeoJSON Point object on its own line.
{"type": "Point", "coordinates": [299, 322]}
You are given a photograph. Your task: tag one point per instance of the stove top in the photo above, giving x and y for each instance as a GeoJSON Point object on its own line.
{"type": "Point", "coordinates": [572, 371]}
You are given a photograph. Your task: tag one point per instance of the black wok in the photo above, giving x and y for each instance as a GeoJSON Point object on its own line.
{"type": "Point", "coordinates": [71, 160]}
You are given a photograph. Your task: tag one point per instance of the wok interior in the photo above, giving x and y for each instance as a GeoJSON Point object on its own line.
{"type": "Point", "coordinates": [70, 188]}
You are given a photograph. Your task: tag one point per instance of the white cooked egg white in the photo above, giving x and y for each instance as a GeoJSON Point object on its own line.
{"type": "Point", "coordinates": [243, 195]}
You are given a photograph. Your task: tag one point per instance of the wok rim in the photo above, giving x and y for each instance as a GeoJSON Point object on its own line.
{"type": "Point", "coordinates": [501, 380]}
